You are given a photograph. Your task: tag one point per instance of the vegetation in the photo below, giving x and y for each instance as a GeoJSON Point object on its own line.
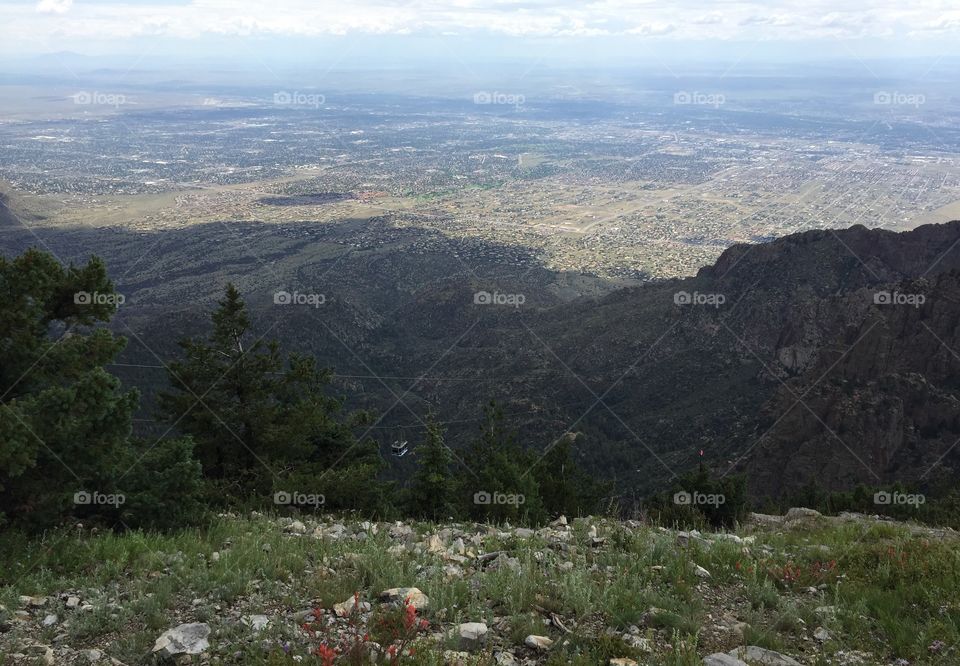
{"type": "Point", "coordinates": [258, 428]}
{"type": "Point", "coordinates": [879, 589]}
{"type": "Point", "coordinates": [65, 422]}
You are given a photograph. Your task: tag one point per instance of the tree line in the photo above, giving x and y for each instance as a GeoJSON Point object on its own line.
{"type": "Point", "coordinates": [249, 426]}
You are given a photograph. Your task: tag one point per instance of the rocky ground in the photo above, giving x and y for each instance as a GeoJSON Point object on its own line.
{"type": "Point", "coordinates": [794, 589]}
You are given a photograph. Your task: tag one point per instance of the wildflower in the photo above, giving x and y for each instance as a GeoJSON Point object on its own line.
{"type": "Point", "coordinates": [410, 615]}
{"type": "Point", "coordinates": [326, 653]}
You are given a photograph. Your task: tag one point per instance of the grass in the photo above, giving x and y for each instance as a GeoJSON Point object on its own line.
{"type": "Point", "coordinates": [875, 587]}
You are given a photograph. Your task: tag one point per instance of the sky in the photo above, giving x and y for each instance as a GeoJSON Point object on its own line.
{"type": "Point", "coordinates": [484, 28]}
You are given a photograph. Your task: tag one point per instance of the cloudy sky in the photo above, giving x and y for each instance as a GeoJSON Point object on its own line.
{"type": "Point", "coordinates": [870, 27]}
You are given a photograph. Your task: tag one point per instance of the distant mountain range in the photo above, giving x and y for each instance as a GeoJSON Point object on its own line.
{"type": "Point", "coordinates": [825, 355]}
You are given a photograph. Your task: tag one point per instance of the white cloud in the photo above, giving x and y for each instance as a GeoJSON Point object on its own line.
{"type": "Point", "coordinates": [54, 6]}
{"type": "Point", "coordinates": [58, 23]}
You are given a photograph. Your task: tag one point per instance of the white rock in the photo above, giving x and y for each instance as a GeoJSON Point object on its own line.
{"type": "Point", "coordinates": [470, 635]}
{"type": "Point", "coordinates": [345, 608]}
{"type": "Point", "coordinates": [763, 657]}
{"type": "Point", "coordinates": [800, 513]}
{"type": "Point", "coordinates": [50, 620]}
{"type": "Point", "coordinates": [296, 527]}
{"type": "Point", "coordinates": [701, 572]}
{"type": "Point", "coordinates": [36, 602]}
{"type": "Point", "coordinates": [73, 602]}
{"type": "Point", "coordinates": [821, 634]}
{"type": "Point", "coordinates": [721, 659]}
{"type": "Point", "coordinates": [399, 595]}
{"type": "Point", "coordinates": [537, 642]}
{"type": "Point", "coordinates": [256, 622]}
{"type": "Point", "coordinates": [188, 638]}
{"type": "Point", "coordinates": [93, 656]}
{"type": "Point", "coordinates": [435, 544]}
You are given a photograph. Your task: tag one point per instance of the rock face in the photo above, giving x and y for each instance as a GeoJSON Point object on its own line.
{"type": "Point", "coordinates": [186, 639]}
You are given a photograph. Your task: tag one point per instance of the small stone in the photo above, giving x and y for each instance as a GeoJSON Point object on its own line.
{"type": "Point", "coordinates": [50, 620]}
{"type": "Point", "coordinates": [185, 639]}
{"type": "Point", "coordinates": [400, 595]}
{"type": "Point", "coordinates": [537, 642]}
{"type": "Point", "coordinates": [454, 658]}
{"type": "Point", "coordinates": [523, 533]}
{"type": "Point", "coordinates": [701, 572]}
{"type": "Point", "coordinates": [93, 656]}
{"type": "Point", "coordinates": [435, 544]}
{"type": "Point", "coordinates": [721, 659]}
{"type": "Point", "coordinates": [622, 661]}
{"type": "Point", "coordinates": [801, 513]}
{"type": "Point", "coordinates": [763, 657]}
{"type": "Point", "coordinates": [256, 622]}
{"type": "Point", "coordinates": [345, 608]}
{"type": "Point", "coordinates": [821, 634]}
{"type": "Point", "coordinates": [35, 602]}
{"type": "Point", "coordinates": [42, 652]}
{"type": "Point", "coordinates": [470, 635]}
{"type": "Point", "coordinates": [559, 522]}
{"type": "Point", "coordinates": [504, 659]}
{"type": "Point", "coordinates": [296, 527]}
{"type": "Point", "coordinates": [215, 556]}
{"type": "Point", "coordinates": [73, 602]}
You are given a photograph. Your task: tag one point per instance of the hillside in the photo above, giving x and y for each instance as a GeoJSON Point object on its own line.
{"type": "Point", "coordinates": [800, 589]}
{"type": "Point", "coordinates": [652, 387]}
{"type": "Point", "coordinates": [14, 210]}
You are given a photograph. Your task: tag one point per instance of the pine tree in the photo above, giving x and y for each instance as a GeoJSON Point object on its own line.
{"type": "Point", "coordinates": [497, 482]}
{"type": "Point", "coordinates": [565, 488]}
{"type": "Point", "coordinates": [432, 492]}
{"type": "Point", "coordinates": [264, 423]}
{"type": "Point", "coordinates": [65, 421]}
